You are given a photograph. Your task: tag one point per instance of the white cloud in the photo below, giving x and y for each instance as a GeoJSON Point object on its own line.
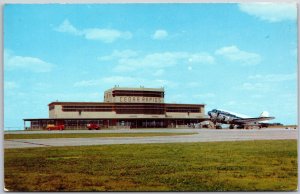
{"type": "Point", "coordinates": [119, 54]}
{"type": "Point", "coordinates": [271, 12]}
{"type": "Point", "coordinates": [233, 53]}
{"type": "Point", "coordinates": [201, 58]}
{"type": "Point", "coordinates": [104, 35]}
{"type": "Point", "coordinates": [265, 83]}
{"type": "Point", "coordinates": [67, 27]}
{"type": "Point", "coordinates": [274, 77]}
{"type": "Point", "coordinates": [125, 81]}
{"type": "Point", "coordinates": [128, 60]}
{"type": "Point", "coordinates": [255, 86]}
{"type": "Point", "coordinates": [13, 62]}
{"type": "Point", "coordinates": [10, 85]}
{"type": "Point", "coordinates": [160, 34]}
{"type": "Point", "coordinates": [154, 60]}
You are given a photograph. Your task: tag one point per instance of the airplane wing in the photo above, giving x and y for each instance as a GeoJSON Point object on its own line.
{"type": "Point", "coordinates": [251, 120]}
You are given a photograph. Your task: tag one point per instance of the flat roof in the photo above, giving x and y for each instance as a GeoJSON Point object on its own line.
{"type": "Point", "coordinates": [116, 103]}
{"type": "Point", "coordinates": [81, 103]}
{"type": "Point", "coordinates": [136, 89]}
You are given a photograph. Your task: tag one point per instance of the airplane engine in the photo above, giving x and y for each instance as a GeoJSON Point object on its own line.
{"type": "Point", "coordinates": [230, 119]}
{"type": "Point", "coordinates": [220, 117]}
{"type": "Point", "coordinates": [213, 115]}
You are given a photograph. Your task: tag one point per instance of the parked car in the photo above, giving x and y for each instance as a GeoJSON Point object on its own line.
{"type": "Point", "coordinates": [91, 126]}
{"type": "Point", "coordinates": [55, 127]}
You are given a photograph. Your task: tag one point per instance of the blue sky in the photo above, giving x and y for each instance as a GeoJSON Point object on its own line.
{"type": "Point", "coordinates": [239, 57]}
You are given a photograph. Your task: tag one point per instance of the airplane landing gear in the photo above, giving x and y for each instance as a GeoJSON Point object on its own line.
{"type": "Point", "coordinates": [218, 127]}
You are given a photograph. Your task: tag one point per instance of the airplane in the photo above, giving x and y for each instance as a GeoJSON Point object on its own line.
{"type": "Point", "coordinates": [235, 120]}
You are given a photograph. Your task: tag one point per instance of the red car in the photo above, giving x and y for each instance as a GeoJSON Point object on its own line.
{"type": "Point", "coordinates": [91, 126]}
{"type": "Point", "coordinates": [55, 127]}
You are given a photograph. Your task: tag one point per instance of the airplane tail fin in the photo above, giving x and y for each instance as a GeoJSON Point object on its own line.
{"type": "Point", "coordinates": [264, 114]}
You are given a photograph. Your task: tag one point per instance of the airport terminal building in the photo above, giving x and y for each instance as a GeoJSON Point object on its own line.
{"type": "Point", "coordinates": [122, 108]}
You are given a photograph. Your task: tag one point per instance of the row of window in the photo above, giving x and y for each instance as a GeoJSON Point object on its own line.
{"type": "Point", "coordinates": [140, 106]}
{"type": "Point", "coordinates": [131, 109]}
{"type": "Point", "coordinates": [140, 111]}
{"type": "Point", "coordinates": [137, 93]}
{"type": "Point", "coordinates": [182, 109]}
{"type": "Point", "coordinates": [87, 110]}
{"type": "Point", "coordinates": [132, 123]}
{"type": "Point", "coordinates": [83, 106]}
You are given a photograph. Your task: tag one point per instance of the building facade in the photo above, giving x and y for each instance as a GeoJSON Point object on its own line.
{"type": "Point", "coordinates": [122, 107]}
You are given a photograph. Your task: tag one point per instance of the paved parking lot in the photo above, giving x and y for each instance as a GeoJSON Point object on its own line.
{"type": "Point", "coordinates": [202, 135]}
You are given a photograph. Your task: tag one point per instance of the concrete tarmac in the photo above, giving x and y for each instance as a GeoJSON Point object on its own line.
{"type": "Point", "coordinates": [202, 135]}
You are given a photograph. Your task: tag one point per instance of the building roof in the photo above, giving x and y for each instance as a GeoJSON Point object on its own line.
{"type": "Point", "coordinates": [81, 103]}
{"type": "Point", "coordinates": [115, 103]}
{"type": "Point", "coordinates": [136, 89]}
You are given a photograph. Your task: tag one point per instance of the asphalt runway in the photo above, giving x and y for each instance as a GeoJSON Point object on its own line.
{"type": "Point", "coordinates": [202, 135]}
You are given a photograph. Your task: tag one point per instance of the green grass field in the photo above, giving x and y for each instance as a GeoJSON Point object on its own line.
{"type": "Point", "coordinates": [216, 166]}
{"type": "Point", "coordinates": [87, 135]}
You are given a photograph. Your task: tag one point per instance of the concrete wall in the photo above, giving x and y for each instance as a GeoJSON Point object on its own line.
{"type": "Point", "coordinates": [108, 96]}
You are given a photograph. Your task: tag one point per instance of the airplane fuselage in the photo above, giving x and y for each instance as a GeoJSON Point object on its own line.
{"type": "Point", "coordinates": [218, 116]}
